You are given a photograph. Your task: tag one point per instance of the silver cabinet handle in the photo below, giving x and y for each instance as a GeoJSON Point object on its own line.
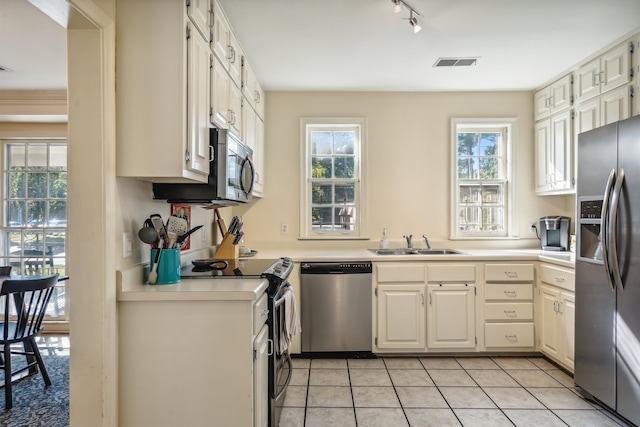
{"type": "Point", "coordinates": [271, 347]}
{"type": "Point", "coordinates": [511, 274]}
{"type": "Point", "coordinates": [558, 279]}
{"type": "Point", "coordinates": [511, 294]}
{"type": "Point", "coordinates": [511, 337]}
{"type": "Point", "coordinates": [510, 313]}
{"type": "Point", "coordinates": [555, 306]}
{"type": "Point", "coordinates": [212, 154]}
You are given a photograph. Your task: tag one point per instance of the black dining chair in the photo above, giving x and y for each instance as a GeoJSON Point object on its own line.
{"type": "Point", "coordinates": [25, 305]}
{"type": "Point", "coordinates": [5, 270]}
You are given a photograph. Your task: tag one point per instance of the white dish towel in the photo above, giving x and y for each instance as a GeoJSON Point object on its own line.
{"type": "Point", "coordinates": [291, 324]}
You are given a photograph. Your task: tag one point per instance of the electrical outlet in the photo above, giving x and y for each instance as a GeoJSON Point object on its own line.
{"type": "Point", "coordinates": [533, 228]}
{"type": "Point", "coordinates": [203, 235]}
{"type": "Point", "coordinates": [284, 228]}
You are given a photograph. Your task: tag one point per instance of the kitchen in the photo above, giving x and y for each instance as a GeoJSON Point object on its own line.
{"type": "Point", "coordinates": [421, 113]}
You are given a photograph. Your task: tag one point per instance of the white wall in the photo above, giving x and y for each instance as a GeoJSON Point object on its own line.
{"type": "Point", "coordinates": [408, 164]}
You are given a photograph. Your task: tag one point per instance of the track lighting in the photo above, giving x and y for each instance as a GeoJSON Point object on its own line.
{"type": "Point", "coordinates": [413, 20]}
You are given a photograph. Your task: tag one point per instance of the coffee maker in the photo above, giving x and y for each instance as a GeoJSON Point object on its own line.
{"type": "Point", "coordinates": [554, 233]}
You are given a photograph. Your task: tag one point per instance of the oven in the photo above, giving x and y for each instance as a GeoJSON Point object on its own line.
{"type": "Point", "coordinates": [276, 272]}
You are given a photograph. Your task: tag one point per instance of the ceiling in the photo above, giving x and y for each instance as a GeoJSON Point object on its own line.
{"type": "Point", "coordinates": [361, 45]}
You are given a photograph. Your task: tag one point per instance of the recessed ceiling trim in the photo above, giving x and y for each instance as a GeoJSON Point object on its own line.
{"type": "Point", "coordinates": [455, 62]}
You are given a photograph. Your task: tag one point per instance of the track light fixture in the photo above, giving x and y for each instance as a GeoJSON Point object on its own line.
{"type": "Point", "coordinates": [413, 20]}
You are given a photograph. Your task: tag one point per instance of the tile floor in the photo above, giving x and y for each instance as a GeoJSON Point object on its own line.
{"type": "Point", "coordinates": [436, 391]}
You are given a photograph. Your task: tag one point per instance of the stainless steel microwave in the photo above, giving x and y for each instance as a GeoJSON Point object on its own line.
{"type": "Point", "coordinates": [231, 175]}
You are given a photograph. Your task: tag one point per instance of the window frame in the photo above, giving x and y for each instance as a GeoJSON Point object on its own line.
{"type": "Point", "coordinates": [307, 125]}
{"type": "Point", "coordinates": [510, 126]}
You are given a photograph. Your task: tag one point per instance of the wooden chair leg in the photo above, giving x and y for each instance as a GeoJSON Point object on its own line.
{"type": "Point", "coordinates": [8, 396]}
{"type": "Point", "coordinates": [36, 353]}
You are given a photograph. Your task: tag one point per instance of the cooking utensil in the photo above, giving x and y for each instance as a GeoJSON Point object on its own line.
{"type": "Point", "coordinates": [156, 220]}
{"type": "Point", "coordinates": [148, 235]}
{"type": "Point", "coordinates": [153, 274]}
{"type": "Point", "coordinates": [183, 237]}
{"type": "Point", "coordinates": [177, 225]}
{"type": "Point", "coordinates": [216, 264]}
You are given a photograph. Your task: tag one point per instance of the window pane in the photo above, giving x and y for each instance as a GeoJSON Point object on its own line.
{"type": "Point", "coordinates": [58, 185]}
{"type": "Point", "coordinates": [345, 167]}
{"type": "Point", "coordinates": [36, 213]}
{"type": "Point", "coordinates": [16, 159]}
{"type": "Point", "coordinates": [489, 168]}
{"type": "Point", "coordinates": [37, 157]}
{"type": "Point", "coordinates": [345, 193]}
{"type": "Point", "coordinates": [56, 242]}
{"type": "Point", "coordinates": [467, 167]}
{"type": "Point", "coordinates": [33, 242]}
{"type": "Point", "coordinates": [37, 185]}
{"type": "Point", "coordinates": [321, 194]}
{"type": "Point", "coordinates": [344, 142]}
{"type": "Point", "coordinates": [57, 213]}
{"type": "Point", "coordinates": [467, 144]}
{"type": "Point", "coordinates": [345, 218]}
{"type": "Point", "coordinates": [16, 185]}
{"type": "Point", "coordinates": [15, 214]}
{"type": "Point", "coordinates": [465, 195]}
{"type": "Point", "coordinates": [58, 157]}
{"type": "Point", "coordinates": [492, 194]}
{"type": "Point", "coordinates": [321, 167]}
{"type": "Point", "coordinates": [489, 144]}
{"type": "Point", "coordinates": [321, 219]}
{"type": "Point", "coordinates": [321, 143]}
{"type": "Point", "coordinates": [492, 219]}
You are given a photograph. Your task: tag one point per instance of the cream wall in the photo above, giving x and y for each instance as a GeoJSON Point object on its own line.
{"type": "Point", "coordinates": [407, 164]}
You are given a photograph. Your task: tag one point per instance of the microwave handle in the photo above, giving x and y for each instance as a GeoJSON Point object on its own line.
{"type": "Point", "coordinates": [212, 154]}
{"type": "Point", "coordinates": [248, 163]}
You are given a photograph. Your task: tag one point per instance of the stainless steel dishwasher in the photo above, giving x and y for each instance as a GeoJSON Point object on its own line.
{"type": "Point", "coordinates": [336, 307]}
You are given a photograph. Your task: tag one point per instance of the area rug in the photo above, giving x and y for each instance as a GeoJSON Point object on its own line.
{"type": "Point", "coordinates": [35, 404]}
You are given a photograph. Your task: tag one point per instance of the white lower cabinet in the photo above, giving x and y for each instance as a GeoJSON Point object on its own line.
{"type": "Point", "coordinates": [451, 319]}
{"type": "Point", "coordinates": [556, 314]}
{"type": "Point", "coordinates": [261, 379]}
{"type": "Point", "coordinates": [401, 317]}
{"type": "Point", "coordinates": [508, 307]}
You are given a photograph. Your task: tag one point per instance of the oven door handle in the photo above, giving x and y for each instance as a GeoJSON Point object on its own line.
{"type": "Point", "coordinates": [286, 383]}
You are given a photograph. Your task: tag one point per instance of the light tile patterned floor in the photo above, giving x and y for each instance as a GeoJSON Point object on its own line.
{"type": "Point", "coordinates": [436, 391]}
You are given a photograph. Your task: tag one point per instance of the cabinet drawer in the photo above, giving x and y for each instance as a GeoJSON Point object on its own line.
{"type": "Point", "coordinates": [508, 311]}
{"type": "Point", "coordinates": [401, 273]}
{"type": "Point", "coordinates": [508, 292]}
{"type": "Point", "coordinates": [463, 273]}
{"type": "Point", "coordinates": [508, 272]}
{"type": "Point", "coordinates": [508, 334]}
{"type": "Point", "coordinates": [260, 313]}
{"type": "Point", "coordinates": [556, 276]}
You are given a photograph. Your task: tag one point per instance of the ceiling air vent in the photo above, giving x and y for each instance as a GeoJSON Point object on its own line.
{"type": "Point", "coordinates": [455, 62]}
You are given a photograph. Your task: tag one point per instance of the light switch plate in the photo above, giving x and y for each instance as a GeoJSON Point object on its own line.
{"type": "Point", "coordinates": [127, 251]}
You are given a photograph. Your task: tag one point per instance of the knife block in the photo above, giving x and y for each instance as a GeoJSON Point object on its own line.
{"type": "Point", "coordinates": [226, 249]}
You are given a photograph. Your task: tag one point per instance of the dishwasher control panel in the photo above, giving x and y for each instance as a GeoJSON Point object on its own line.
{"type": "Point", "coordinates": [358, 267]}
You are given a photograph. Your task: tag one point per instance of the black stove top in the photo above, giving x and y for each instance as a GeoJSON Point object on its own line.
{"type": "Point", "coordinates": [236, 269]}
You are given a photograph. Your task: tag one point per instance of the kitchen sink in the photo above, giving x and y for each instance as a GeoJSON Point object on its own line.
{"type": "Point", "coordinates": [407, 251]}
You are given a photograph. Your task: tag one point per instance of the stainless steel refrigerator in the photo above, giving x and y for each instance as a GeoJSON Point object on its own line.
{"type": "Point", "coordinates": [607, 351]}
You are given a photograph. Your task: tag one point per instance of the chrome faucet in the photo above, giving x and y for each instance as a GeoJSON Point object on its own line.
{"type": "Point", "coordinates": [409, 242]}
{"type": "Point", "coordinates": [427, 241]}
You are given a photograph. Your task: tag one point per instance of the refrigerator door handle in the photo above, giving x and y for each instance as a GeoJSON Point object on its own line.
{"type": "Point", "coordinates": [613, 250]}
{"type": "Point", "coordinates": [604, 231]}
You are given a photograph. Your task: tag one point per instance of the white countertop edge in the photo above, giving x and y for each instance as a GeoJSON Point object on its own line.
{"type": "Point", "coordinates": [130, 287]}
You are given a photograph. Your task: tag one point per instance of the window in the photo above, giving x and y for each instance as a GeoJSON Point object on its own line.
{"type": "Point", "coordinates": [333, 195]}
{"type": "Point", "coordinates": [482, 178]}
{"type": "Point", "coordinates": [34, 225]}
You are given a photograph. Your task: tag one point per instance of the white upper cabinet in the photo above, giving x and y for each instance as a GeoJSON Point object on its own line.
{"type": "Point", "coordinates": [635, 109]}
{"type": "Point", "coordinates": [221, 35]}
{"type": "Point", "coordinates": [200, 12]}
{"type": "Point", "coordinates": [608, 71]}
{"type": "Point", "coordinates": [554, 155]}
{"type": "Point", "coordinates": [220, 94]}
{"type": "Point", "coordinates": [554, 98]}
{"type": "Point", "coordinates": [163, 87]}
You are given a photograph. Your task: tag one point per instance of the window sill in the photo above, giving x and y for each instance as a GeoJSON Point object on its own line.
{"type": "Point", "coordinates": [333, 237]}
{"type": "Point", "coordinates": [485, 238]}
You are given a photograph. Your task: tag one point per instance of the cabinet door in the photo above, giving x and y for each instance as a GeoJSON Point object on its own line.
{"type": "Point", "coordinates": [248, 83]}
{"type": "Point", "coordinates": [220, 98]}
{"type": "Point", "coordinates": [221, 35]}
{"type": "Point", "coordinates": [560, 93]}
{"type": "Point", "coordinates": [562, 170]}
{"type": "Point", "coordinates": [401, 317]}
{"type": "Point", "coordinates": [614, 68]}
{"type": "Point", "coordinates": [248, 126]}
{"type": "Point", "coordinates": [198, 92]}
{"type": "Point", "coordinates": [549, 333]}
{"type": "Point", "coordinates": [258, 159]}
{"type": "Point", "coordinates": [259, 99]}
{"type": "Point", "coordinates": [234, 54]}
{"type": "Point", "coordinates": [543, 157]}
{"type": "Point", "coordinates": [587, 116]}
{"type": "Point", "coordinates": [261, 379]}
{"type": "Point", "coordinates": [615, 105]}
{"type": "Point", "coordinates": [451, 316]}
{"type": "Point", "coordinates": [234, 115]}
{"type": "Point", "coordinates": [588, 80]}
{"type": "Point", "coordinates": [541, 103]}
{"type": "Point", "coordinates": [199, 12]}
{"type": "Point", "coordinates": [567, 327]}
